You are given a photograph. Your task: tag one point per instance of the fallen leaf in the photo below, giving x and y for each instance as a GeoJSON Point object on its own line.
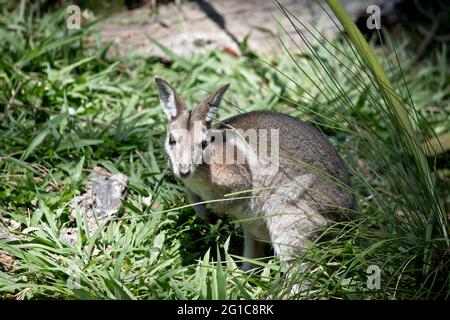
{"type": "Point", "coordinates": [7, 262]}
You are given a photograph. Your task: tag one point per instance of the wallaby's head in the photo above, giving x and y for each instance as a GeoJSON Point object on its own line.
{"type": "Point", "coordinates": [187, 139]}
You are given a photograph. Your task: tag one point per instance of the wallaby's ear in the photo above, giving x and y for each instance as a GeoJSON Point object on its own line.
{"type": "Point", "coordinates": [209, 107]}
{"type": "Point", "coordinates": [170, 101]}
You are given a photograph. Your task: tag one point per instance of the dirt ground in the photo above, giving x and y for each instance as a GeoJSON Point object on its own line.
{"type": "Point", "coordinates": [192, 27]}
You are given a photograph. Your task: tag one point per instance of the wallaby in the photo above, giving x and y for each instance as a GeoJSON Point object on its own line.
{"type": "Point", "coordinates": [283, 204]}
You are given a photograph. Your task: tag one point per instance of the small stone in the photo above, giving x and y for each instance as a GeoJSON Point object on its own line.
{"type": "Point", "coordinates": [69, 235]}
{"type": "Point", "coordinates": [147, 200]}
{"type": "Point", "coordinates": [95, 252]}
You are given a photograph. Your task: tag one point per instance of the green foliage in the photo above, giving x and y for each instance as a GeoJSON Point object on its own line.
{"type": "Point", "coordinates": [65, 107]}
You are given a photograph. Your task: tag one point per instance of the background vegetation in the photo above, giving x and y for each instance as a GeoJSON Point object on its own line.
{"type": "Point", "coordinates": [66, 107]}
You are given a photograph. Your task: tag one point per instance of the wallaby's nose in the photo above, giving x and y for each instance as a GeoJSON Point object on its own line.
{"type": "Point", "coordinates": [184, 172]}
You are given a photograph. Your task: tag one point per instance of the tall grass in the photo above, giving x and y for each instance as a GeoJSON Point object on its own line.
{"type": "Point", "coordinates": [410, 242]}
{"type": "Point", "coordinates": [65, 108]}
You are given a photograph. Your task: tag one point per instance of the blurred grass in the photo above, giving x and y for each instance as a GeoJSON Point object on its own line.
{"type": "Point", "coordinates": [65, 106]}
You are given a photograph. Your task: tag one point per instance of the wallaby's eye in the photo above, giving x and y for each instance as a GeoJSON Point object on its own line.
{"type": "Point", "coordinates": [171, 140]}
{"type": "Point", "coordinates": [213, 138]}
{"type": "Point", "coordinates": [204, 144]}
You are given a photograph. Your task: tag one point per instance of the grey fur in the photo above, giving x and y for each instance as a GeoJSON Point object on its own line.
{"type": "Point", "coordinates": [283, 207]}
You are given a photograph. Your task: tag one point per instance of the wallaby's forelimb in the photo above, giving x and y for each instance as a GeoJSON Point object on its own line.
{"type": "Point", "coordinates": [253, 249]}
{"type": "Point", "coordinates": [199, 208]}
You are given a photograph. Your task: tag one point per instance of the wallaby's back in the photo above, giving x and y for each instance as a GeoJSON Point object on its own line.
{"type": "Point", "coordinates": [300, 143]}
